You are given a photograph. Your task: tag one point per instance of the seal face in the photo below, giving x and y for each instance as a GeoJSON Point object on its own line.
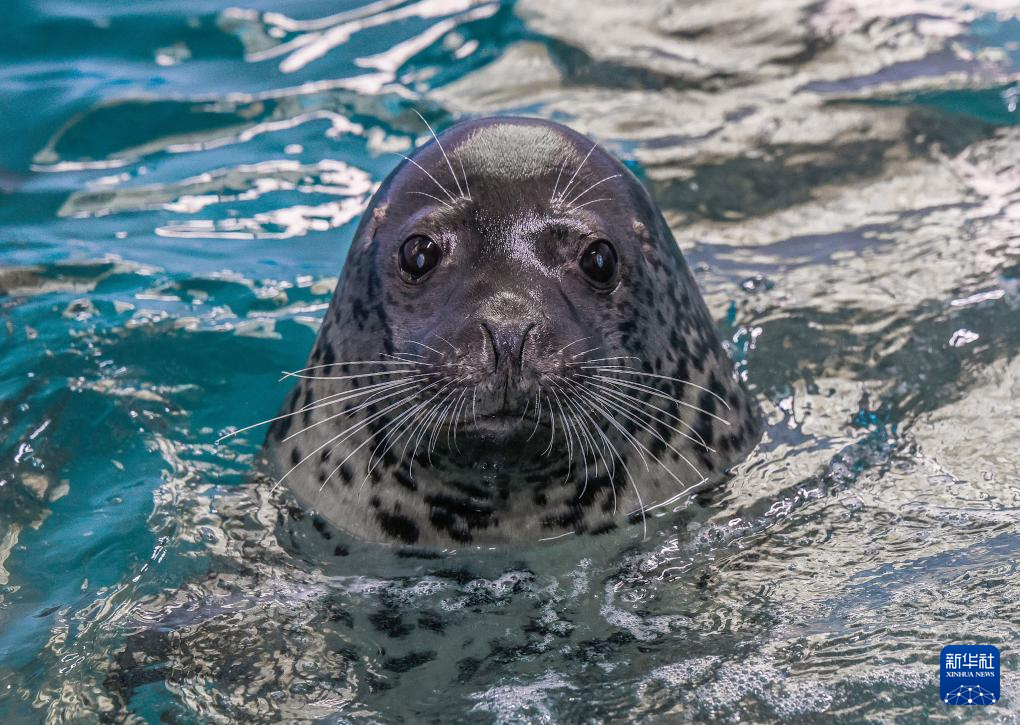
{"type": "Point", "coordinates": [515, 351]}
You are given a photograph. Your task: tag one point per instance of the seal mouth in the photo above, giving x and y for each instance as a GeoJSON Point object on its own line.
{"type": "Point", "coordinates": [516, 431]}
{"type": "Point", "coordinates": [506, 423]}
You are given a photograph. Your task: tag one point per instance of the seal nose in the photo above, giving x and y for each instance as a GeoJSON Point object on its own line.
{"type": "Point", "coordinates": [509, 341]}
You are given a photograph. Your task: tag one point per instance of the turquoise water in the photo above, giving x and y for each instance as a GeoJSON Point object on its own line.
{"type": "Point", "coordinates": [178, 185]}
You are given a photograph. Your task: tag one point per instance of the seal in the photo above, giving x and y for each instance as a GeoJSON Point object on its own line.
{"type": "Point", "coordinates": [515, 351]}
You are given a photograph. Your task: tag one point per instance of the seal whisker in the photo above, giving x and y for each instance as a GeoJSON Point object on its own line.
{"type": "Point", "coordinates": [420, 412]}
{"type": "Point", "coordinates": [368, 440]}
{"type": "Point", "coordinates": [439, 421]}
{"type": "Point", "coordinates": [616, 455]}
{"type": "Point", "coordinates": [591, 400]}
{"type": "Point", "coordinates": [605, 442]}
{"type": "Point", "coordinates": [440, 144]}
{"type": "Point", "coordinates": [600, 359]}
{"type": "Point", "coordinates": [420, 423]}
{"type": "Point", "coordinates": [552, 426]}
{"type": "Point", "coordinates": [422, 344]}
{"type": "Point", "coordinates": [432, 196]}
{"type": "Point", "coordinates": [631, 400]}
{"type": "Point", "coordinates": [538, 419]}
{"type": "Point", "coordinates": [584, 352]}
{"type": "Point", "coordinates": [321, 403]}
{"type": "Point", "coordinates": [350, 430]}
{"type": "Point", "coordinates": [408, 417]}
{"type": "Point", "coordinates": [452, 346]}
{"type": "Point", "coordinates": [655, 458]}
{"type": "Point", "coordinates": [351, 377]}
{"type": "Point", "coordinates": [578, 169]}
{"type": "Point", "coordinates": [557, 184]}
{"type": "Point", "coordinates": [655, 392]}
{"type": "Point", "coordinates": [632, 371]}
{"type": "Point", "coordinates": [293, 373]}
{"type": "Point", "coordinates": [626, 468]}
{"type": "Point", "coordinates": [400, 389]}
{"type": "Point", "coordinates": [619, 409]}
{"type": "Point", "coordinates": [423, 425]}
{"type": "Point", "coordinates": [552, 435]}
{"type": "Point", "coordinates": [445, 190]}
{"type": "Point", "coordinates": [580, 339]}
{"type": "Point", "coordinates": [461, 412]}
{"type": "Point", "coordinates": [456, 417]}
{"type": "Point", "coordinates": [527, 407]}
{"type": "Point", "coordinates": [583, 439]}
{"type": "Point", "coordinates": [610, 471]}
{"type": "Point", "coordinates": [567, 435]}
{"type": "Point", "coordinates": [597, 183]}
{"type": "Point", "coordinates": [639, 446]}
{"type": "Point", "coordinates": [401, 422]}
{"type": "Point", "coordinates": [442, 421]}
{"type": "Point", "coordinates": [403, 401]}
{"type": "Point", "coordinates": [464, 174]}
{"type": "Point", "coordinates": [587, 436]}
{"type": "Point", "coordinates": [593, 201]}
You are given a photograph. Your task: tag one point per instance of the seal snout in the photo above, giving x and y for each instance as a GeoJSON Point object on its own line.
{"type": "Point", "coordinates": [507, 361]}
{"type": "Point", "coordinates": [508, 341]}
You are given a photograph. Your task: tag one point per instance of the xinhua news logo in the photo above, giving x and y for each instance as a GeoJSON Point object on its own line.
{"type": "Point", "coordinates": [970, 674]}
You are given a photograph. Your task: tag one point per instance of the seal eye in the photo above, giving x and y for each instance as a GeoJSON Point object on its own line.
{"type": "Point", "coordinates": [599, 262]}
{"type": "Point", "coordinates": [418, 256]}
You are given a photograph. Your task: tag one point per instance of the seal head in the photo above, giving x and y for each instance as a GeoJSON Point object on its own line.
{"type": "Point", "coordinates": [515, 351]}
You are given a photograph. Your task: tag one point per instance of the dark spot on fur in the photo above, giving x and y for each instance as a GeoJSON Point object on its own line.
{"type": "Point", "coordinates": [320, 525]}
{"type": "Point", "coordinates": [399, 527]}
{"type": "Point", "coordinates": [422, 554]}
{"type": "Point", "coordinates": [467, 667]}
{"type": "Point", "coordinates": [408, 662]}
{"type": "Point", "coordinates": [390, 623]}
{"type": "Point", "coordinates": [431, 621]}
{"type": "Point", "coordinates": [603, 528]}
{"type": "Point", "coordinates": [405, 480]}
{"type": "Point", "coordinates": [458, 516]}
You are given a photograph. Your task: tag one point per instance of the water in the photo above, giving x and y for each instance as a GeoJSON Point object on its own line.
{"type": "Point", "coordinates": [178, 184]}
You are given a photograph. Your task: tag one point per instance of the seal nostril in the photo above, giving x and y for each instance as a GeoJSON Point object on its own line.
{"type": "Point", "coordinates": [492, 343]}
{"type": "Point", "coordinates": [509, 343]}
{"type": "Point", "coordinates": [524, 342]}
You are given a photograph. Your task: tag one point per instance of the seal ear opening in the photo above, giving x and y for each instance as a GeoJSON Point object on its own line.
{"type": "Point", "coordinates": [378, 215]}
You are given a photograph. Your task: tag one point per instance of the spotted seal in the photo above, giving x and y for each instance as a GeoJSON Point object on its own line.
{"type": "Point", "coordinates": [516, 351]}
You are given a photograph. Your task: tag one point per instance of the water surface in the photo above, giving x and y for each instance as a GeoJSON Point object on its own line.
{"type": "Point", "coordinates": [178, 187]}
